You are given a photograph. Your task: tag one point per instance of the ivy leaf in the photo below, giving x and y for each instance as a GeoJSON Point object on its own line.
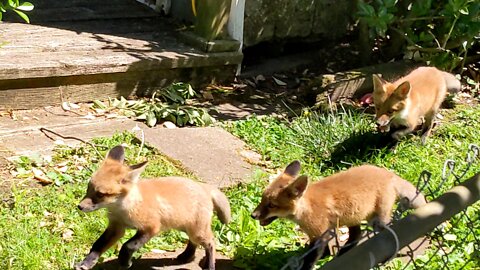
{"type": "Point", "coordinates": [25, 6]}
{"type": "Point", "coordinates": [22, 15]}
{"type": "Point", "coordinates": [464, 11]}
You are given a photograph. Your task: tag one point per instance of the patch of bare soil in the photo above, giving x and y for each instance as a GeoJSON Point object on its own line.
{"type": "Point", "coordinates": [5, 178]}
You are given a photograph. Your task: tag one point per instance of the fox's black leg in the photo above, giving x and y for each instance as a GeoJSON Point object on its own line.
{"type": "Point", "coordinates": [315, 253]}
{"type": "Point", "coordinates": [397, 135]}
{"type": "Point", "coordinates": [209, 256]}
{"type": "Point", "coordinates": [132, 245]}
{"type": "Point", "coordinates": [106, 240]}
{"type": "Point", "coordinates": [188, 254]}
{"type": "Point", "coordinates": [354, 234]}
{"type": "Point", "coordinates": [427, 126]}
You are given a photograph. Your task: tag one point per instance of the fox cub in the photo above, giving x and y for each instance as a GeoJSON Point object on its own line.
{"type": "Point", "coordinates": [361, 193]}
{"type": "Point", "coordinates": [411, 100]}
{"type": "Point", "coordinates": [150, 206]}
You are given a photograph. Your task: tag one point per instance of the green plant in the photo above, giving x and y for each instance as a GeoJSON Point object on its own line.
{"type": "Point", "coordinates": [438, 32]}
{"type": "Point", "coordinates": [16, 6]}
{"type": "Point", "coordinates": [169, 104]}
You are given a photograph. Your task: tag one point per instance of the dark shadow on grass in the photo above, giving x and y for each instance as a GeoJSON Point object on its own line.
{"type": "Point", "coordinates": [274, 259]}
{"type": "Point", "coordinates": [361, 147]}
{"type": "Point", "coordinates": [162, 263]}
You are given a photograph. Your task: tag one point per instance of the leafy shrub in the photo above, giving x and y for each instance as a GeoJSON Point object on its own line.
{"type": "Point", "coordinates": [17, 6]}
{"type": "Point", "coordinates": [438, 32]}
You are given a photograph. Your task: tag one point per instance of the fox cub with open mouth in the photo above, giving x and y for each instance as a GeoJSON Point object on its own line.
{"type": "Point", "coordinates": [150, 206]}
{"type": "Point", "coordinates": [411, 101]}
{"type": "Point", "coordinates": [346, 199]}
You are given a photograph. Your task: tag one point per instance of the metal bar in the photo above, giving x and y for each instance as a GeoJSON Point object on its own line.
{"type": "Point", "coordinates": [424, 219]}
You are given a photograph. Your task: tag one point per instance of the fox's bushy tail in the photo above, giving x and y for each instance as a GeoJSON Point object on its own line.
{"type": "Point", "coordinates": [408, 193]}
{"type": "Point", "coordinates": [453, 84]}
{"type": "Point", "coordinates": [221, 205]}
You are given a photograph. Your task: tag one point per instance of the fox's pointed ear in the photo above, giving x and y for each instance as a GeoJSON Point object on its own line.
{"type": "Point", "coordinates": [293, 168]}
{"type": "Point", "coordinates": [378, 83]}
{"type": "Point", "coordinates": [117, 153]}
{"type": "Point", "coordinates": [403, 89]}
{"type": "Point", "coordinates": [297, 187]}
{"type": "Point", "coordinates": [136, 171]}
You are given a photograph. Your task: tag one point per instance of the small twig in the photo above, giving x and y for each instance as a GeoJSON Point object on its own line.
{"type": "Point", "coordinates": [435, 38]}
{"type": "Point", "coordinates": [450, 32]}
{"type": "Point", "coordinates": [409, 41]}
{"type": "Point", "coordinates": [43, 130]}
{"type": "Point", "coordinates": [421, 19]}
{"type": "Point", "coordinates": [427, 50]}
{"type": "Point", "coordinates": [63, 114]}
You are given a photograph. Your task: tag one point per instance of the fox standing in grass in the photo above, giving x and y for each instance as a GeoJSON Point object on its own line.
{"type": "Point", "coordinates": [361, 193]}
{"type": "Point", "coordinates": [412, 99]}
{"type": "Point", "coordinates": [151, 206]}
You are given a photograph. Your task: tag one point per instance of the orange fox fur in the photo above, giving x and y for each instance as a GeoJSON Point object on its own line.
{"type": "Point", "coordinates": [410, 100]}
{"type": "Point", "coordinates": [150, 206]}
{"type": "Point", "coordinates": [361, 193]}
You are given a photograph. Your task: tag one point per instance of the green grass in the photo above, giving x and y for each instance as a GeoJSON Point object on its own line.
{"type": "Point", "coordinates": [41, 227]}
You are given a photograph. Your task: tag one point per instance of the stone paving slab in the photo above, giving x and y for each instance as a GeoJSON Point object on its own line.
{"type": "Point", "coordinates": [211, 153]}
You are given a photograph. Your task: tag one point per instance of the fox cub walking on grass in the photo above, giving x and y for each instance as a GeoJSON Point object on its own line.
{"type": "Point", "coordinates": [361, 193]}
{"type": "Point", "coordinates": [150, 206]}
{"type": "Point", "coordinates": [410, 100]}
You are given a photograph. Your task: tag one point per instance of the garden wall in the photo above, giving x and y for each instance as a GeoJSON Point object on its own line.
{"type": "Point", "coordinates": [268, 20]}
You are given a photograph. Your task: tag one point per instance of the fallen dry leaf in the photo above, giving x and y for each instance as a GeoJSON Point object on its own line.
{"type": "Point", "coordinates": [66, 106]}
{"type": "Point", "coordinates": [169, 124]}
{"type": "Point", "coordinates": [279, 82]}
{"type": "Point", "coordinates": [41, 177]}
{"type": "Point", "coordinates": [67, 235]}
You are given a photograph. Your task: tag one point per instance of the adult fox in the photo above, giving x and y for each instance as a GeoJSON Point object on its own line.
{"type": "Point", "coordinates": [150, 206]}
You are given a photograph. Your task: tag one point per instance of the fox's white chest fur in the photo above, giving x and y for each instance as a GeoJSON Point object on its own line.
{"type": "Point", "coordinates": [125, 209]}
{"type": "Point", "coordinates": [401, 118]}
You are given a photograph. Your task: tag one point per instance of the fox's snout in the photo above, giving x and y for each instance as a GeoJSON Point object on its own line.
{"type": "Point", "coordinates": [87, 205]}
{"type": "Point", "coordinates": [263, 215]}
{"type": "Point", "coordinates": [383, 123]}
{"type": "Point", "coordinates": [255, 214]}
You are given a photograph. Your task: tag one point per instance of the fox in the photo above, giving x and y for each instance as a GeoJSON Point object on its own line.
{"type": "Point", "coordinates": [347, 198]}
{"type": "Point", "coordinates": [150, 206]}
{"type": "Point", "coordinates": [411, 101]}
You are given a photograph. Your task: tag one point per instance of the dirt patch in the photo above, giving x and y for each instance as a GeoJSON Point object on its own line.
{"type": "Point", "coordinates": [5, 177]}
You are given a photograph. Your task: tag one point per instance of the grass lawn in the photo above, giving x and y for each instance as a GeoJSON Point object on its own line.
{"type": "Point", "coordinates": [41, 227]}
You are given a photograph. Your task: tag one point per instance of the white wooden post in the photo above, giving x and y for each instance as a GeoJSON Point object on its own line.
{"type": "Point", "coordinates": [235, 24]}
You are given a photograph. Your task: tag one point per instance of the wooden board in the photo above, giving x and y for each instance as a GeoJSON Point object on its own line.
{"type": "Point", "coordinates": [55, 11]}
{"type": "Point", "coordinates": [35, 93]}
{"type": "Point", "coordinates": [86, 50]}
